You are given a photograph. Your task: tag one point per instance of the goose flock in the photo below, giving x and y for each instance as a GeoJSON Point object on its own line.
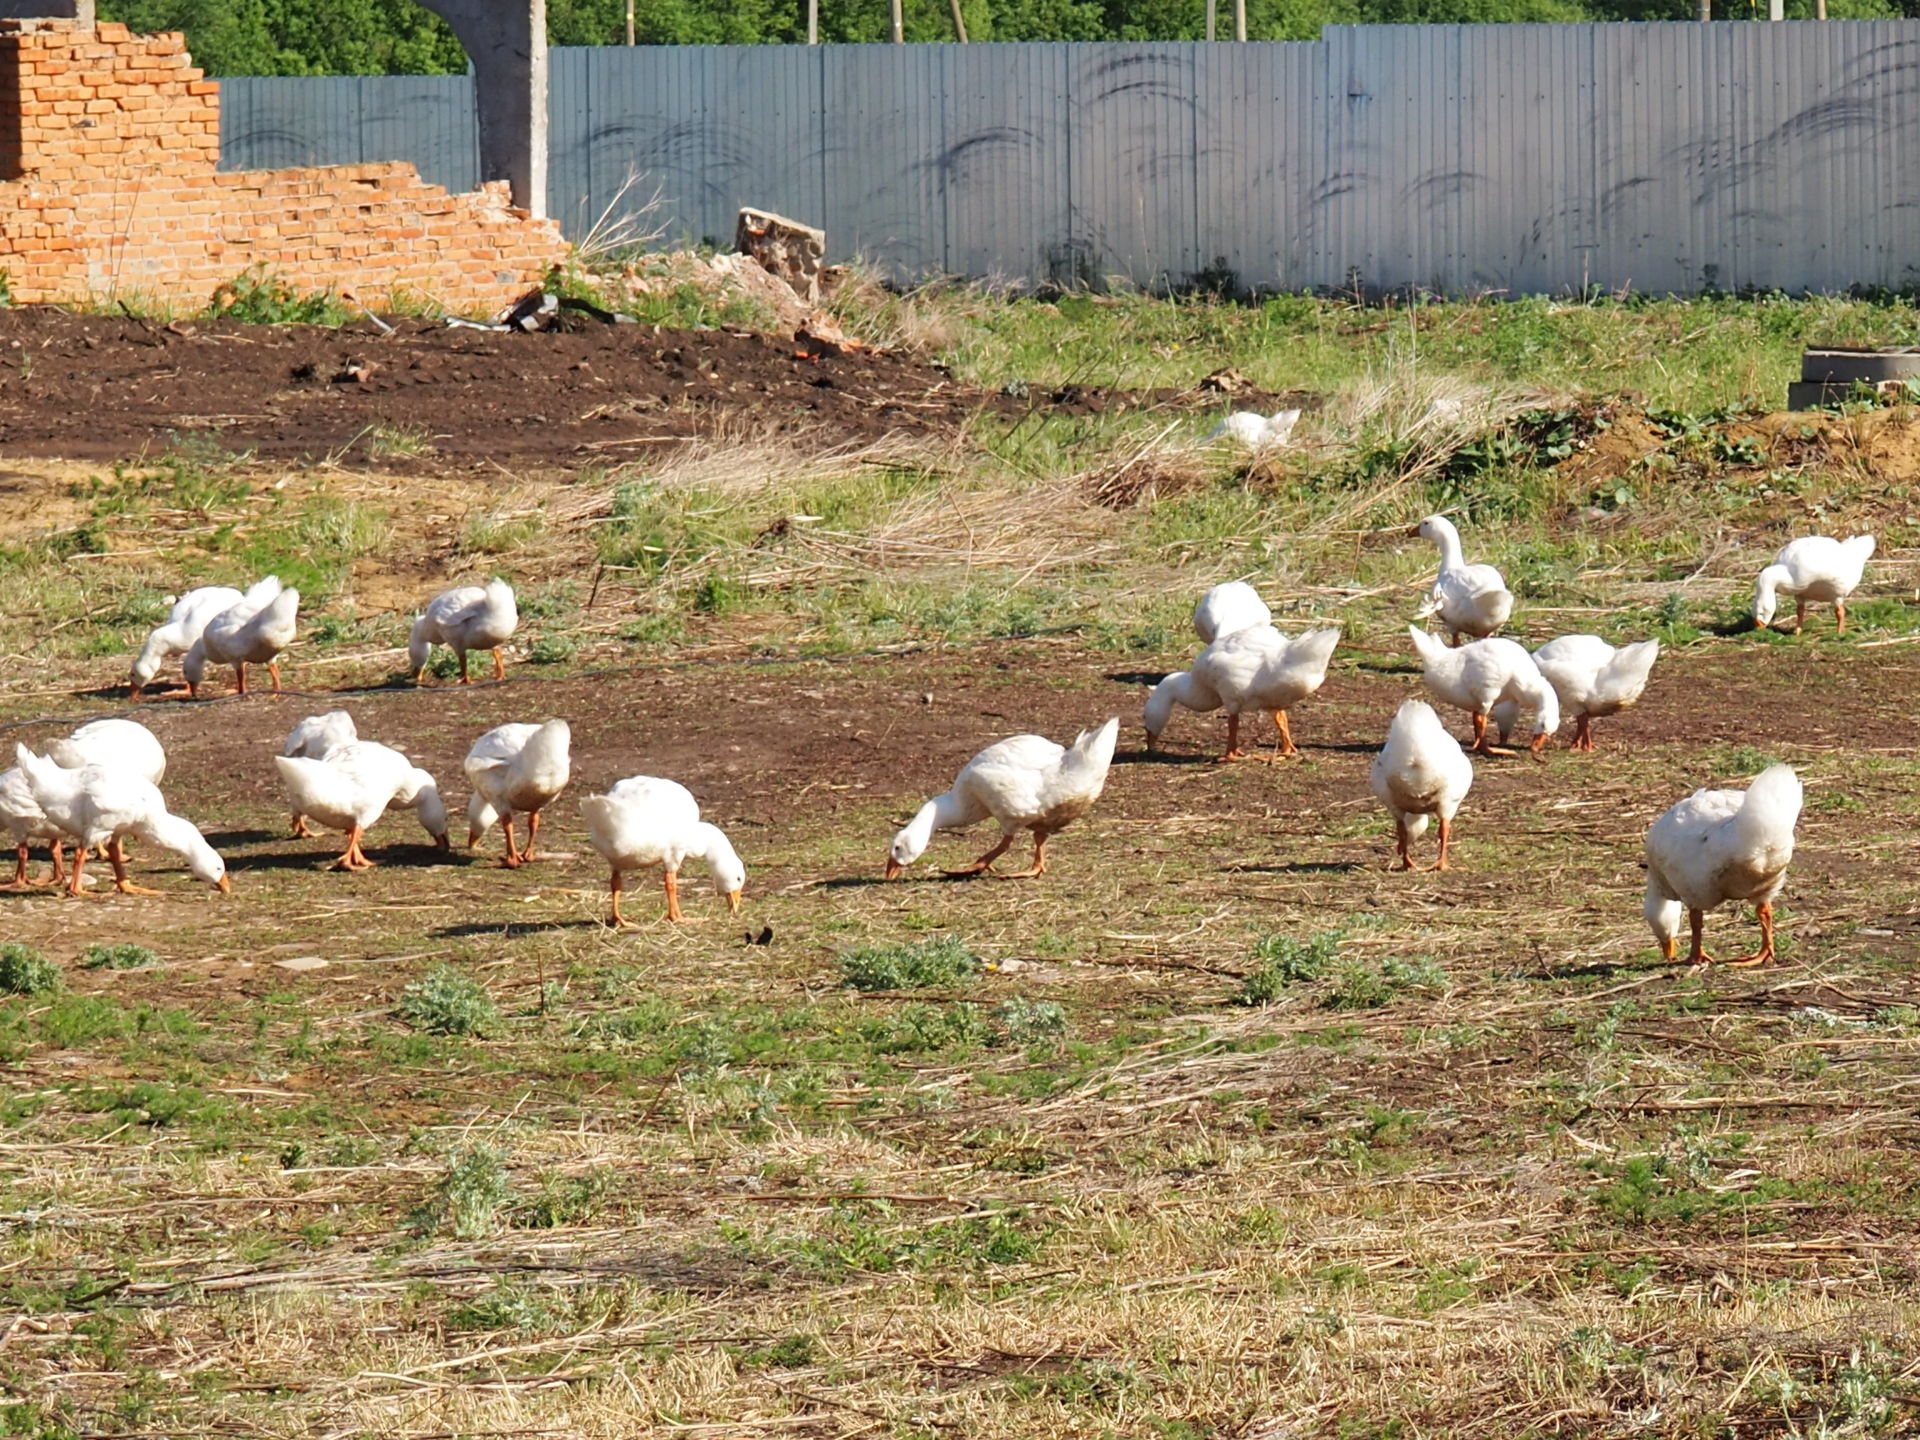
{"type": "Point", "coordinates": [90, 792]}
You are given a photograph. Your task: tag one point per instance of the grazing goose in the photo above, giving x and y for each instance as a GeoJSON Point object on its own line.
{"type": "Point", "coordinates": [1226, 608]}
{"type": "Point", "coordinates": [1591, 678]}
{"type": "Point", "coordinates": [471, 617]}
{"type": "Point", "coordinates": [1026, 783]}
{"type": "Point", "coordinates": [516, 770]}
{"type": "Point", "coordinates": [1421, 773]}
{"type": "Point", "coordinates": [1721, 845]}
{"type": "Point", "coordinates": [1477, 677]}
{"type": "Point", "coordinates": [1814, 568]}
{"type": "Point", "coordinates": [26, 824]}
{"type": "Point", "coordinates": [315, 738]}
{"type": "Point", "coordinates": [1248, 670]}
{"type": "Point", "coordinates": [117, 744]}
{"type": "Point", "coordinates": [98, 805]}
{"type": "Point", "coordinates": [1469, 599]}
{"type": "Point", "coordinates": [253, 632]}
{"type": "Point", "coordinates": [185, 621]}
{"type": "Point", "coordinates": [354, 786]}
{"type": "Point", "coordinates": [645, 821]}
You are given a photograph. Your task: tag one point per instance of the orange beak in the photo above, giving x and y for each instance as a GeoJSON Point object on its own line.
{"type": "Point", "coordinates": [1670, 947]}
{"type": "Point", "coordinates": [133, 691]}
{"type": "Point", "coordinates": [1539, 744]}
{"type": "Point", "coordinates": [224, 885]}
{"type": "Point", "coordinates": [733, 901]}
{"type": "Point", "coordinates": [893, 870]}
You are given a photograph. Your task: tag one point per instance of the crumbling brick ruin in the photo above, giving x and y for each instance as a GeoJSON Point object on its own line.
{"type": "Point", "coordinates": [110, 189]}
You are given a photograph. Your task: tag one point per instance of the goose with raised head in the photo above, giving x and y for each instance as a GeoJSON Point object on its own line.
{"type": "Point", "coordinates": [1721, 845]}
{"type": "Point", "coordinates": [315, 738]}
{"type": "Point", "coordinates": [645, 821]}
{"type": "Point", "coordinates": [469, 617]}
{"type": "Point", "coordinates": [516, 770]}
{"type": "Point", "coordinates": [1421, 774]}
{"type": "Point", "coordinates": [1813, 569]}
{"type": "Point", "coordinates": [1025, 782]}
{"type": "Point", "coordinates": [1469, 599]}
{"type": "Point", "coordinates": [98, 805]}
{"type": "Point", "coordinates": [1227, 607]}
{"type": "Point", "coordinates": [184, 624]}
{"type": "Point", "coordinates": [1591, 678]}
{"type": "Point", "coordinates": [1478, 676]}
{"type": "Point", "coordinates": [253, 632]}
{"type": "Point", "coordinates": [1256, 669]}
{"type": "Point", "coordinates": [354, 786]}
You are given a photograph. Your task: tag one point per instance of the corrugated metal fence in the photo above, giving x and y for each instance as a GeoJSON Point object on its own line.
{"type": "Point", "coordinates": [1469, 158]}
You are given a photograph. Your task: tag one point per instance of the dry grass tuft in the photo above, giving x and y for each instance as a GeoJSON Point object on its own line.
{"type": "Point", "coordinates": [1154, 471]}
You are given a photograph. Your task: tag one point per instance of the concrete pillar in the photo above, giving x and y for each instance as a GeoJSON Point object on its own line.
{"type": "Point", "coordinates": [507, 41]}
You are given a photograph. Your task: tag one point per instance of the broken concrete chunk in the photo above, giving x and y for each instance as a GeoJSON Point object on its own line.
{"type": "Point", "coordinates": [783, 247]}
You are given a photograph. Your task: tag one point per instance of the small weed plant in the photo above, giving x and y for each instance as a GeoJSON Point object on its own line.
{"type": "Point", "coordinates": [118, 957]}
{"type": "Point", "coordinates": [25, 971]}
{"type": "Point", "coordinates": [469, 1196]}
{"type": "Point", "coordinates": [944, 960]}
{"type": "Point", "coordinates": [445, 1002]}
{"type": "Point", "coordinates": [1281, 962]}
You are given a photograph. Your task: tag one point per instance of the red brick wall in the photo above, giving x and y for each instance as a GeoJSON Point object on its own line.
{"type": "Point", "coordinates": [109, 144]}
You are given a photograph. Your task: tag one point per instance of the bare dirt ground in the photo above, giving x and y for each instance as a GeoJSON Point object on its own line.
{"type": "Point", "coordinates": [596, 395]}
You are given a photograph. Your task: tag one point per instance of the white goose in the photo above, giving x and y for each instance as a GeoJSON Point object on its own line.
{"type": "Point", "coordinates": [354, 786]}
{"type": "Point", "coordinates": [1469, 599]}
{"type": "Point", "coordinates": [1256, 432]}
{"type": "Point", "coordinates": [1591, 678]}
{"type": "Point", "coordinates": [471, 617]}
{"type": "Point", "coordinates": [1248, 670]}
{"type": "Point", "coordinates": [185, 621]}
{"type": "Point", "coordinates": [1477, 677]}
{"type": "Point", "coordinates": [1228, 607]}
{"type": "Point", "coordinates": [516, 770]}
{"type": "Point", "coordinates": [26, 824]}
{"type": "Point", "coordinates": [1025, 782]}
{"type": "Point", "coordinates": [116, 744]}
{"type": "Point", "coordinates": [253, 632]}
{"type": "Point", "coordinates": [1814, 568]}
{"type": "Point", "coordinates": [97, 805]}
{"type": "Point", "coordinates": [315, 738]}
{"type": "Point", "coordinates": [1721, 845]}
{"type": "Point", "coordinates": [645, 821]}
{"type": "Point", "coordinates": [1421, 773]}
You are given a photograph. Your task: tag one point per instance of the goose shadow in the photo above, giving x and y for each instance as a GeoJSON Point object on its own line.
{"type": "Point", "coordinates": [1139, 677]}
{"type": "Point", "coordinates": [512, 929]}
{"type": "Point", "coordinates": [1297, 867]}
{"type": "Point", "coordinates": [1160, 757]}
{"type": "Point", "coordinates": [227, 839]}
{"type": "Point", "coordinates": [394, 857]}
{"type": "Point", "coordinates": [1598, 970]}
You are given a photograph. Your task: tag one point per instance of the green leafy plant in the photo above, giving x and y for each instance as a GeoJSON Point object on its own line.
{"type": "Point", "coordinates": [1281, 962]}
{"type": "Point", "coordinates": [25, 971]}
{"type": "Point", "coordinates": [469, 1196]}
{"type": "Point", "coordinates": [118, 957]}
{"type": "Point", "coordinates": [944, 960]}
{"type": "Point", "coordinates": [446, 1002]}
{"type": "Point", "coordinates": [257, 296]}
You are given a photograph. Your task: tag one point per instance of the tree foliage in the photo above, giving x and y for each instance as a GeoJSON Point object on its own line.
{"type": "Point", "coordinates": [371, 37]}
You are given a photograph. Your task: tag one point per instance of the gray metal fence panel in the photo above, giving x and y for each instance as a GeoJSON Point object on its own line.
{"type": "Point", "coordinates": [1003, 171]}
{"type": "Point", "coordinates": [270, 124]}
{"type": "Point", "coordinates": [1131, 134]}
{"type": "Point", "coordinates": [1482, 158]}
